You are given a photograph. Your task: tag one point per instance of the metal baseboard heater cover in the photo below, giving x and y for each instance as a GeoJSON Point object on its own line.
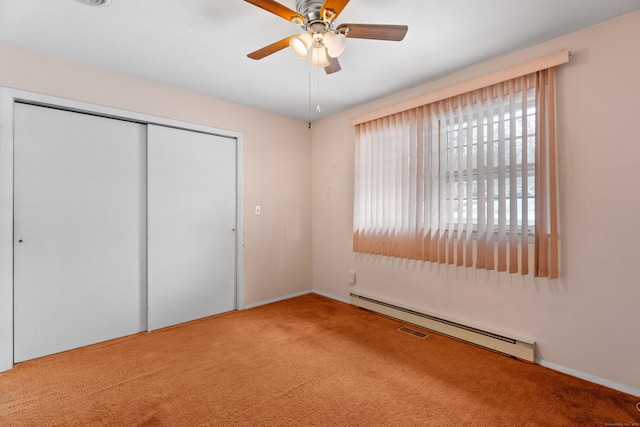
{"type": "Point", "coordinates": [518, 347]}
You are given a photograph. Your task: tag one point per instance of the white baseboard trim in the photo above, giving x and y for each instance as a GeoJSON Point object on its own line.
{"type": "Point", "coordinates": [588, 377]}
{"type": "Point", "coordinates": [331, 296]}
{"type": "Point", "coordinates": [282, 298]}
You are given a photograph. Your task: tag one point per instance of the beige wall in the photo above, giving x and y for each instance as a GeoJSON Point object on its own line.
{"type": "Point", "coordinates": [277, 150]}
{"type": "Point", "coordinates": [589, 319]}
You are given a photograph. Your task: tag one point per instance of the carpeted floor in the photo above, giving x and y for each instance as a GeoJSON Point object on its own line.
{"type": "Point", "coordinates": [307, 361]}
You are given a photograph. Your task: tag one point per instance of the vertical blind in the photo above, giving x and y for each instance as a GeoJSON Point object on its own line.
{"type": "Point", "coordinates": [468, 180]}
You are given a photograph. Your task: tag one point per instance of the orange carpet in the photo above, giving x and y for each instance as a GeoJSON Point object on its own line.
{"type": "Point", "coordinates": [307, 361]}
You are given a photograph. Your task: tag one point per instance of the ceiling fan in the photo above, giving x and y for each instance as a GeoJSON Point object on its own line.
{"type": "Point", "coordinates": [323, 39]}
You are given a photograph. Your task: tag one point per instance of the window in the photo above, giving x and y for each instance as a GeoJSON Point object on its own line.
{"type": "Point", "coordinates": [468, 180]}
{"type": "Point", "coordinates": [480, 129]}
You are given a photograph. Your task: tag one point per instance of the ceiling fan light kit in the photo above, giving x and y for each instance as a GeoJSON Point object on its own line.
{"type": "Point", "coordinates": [323, 42]}
{"type": "Point", "coordinates": [322, 45]}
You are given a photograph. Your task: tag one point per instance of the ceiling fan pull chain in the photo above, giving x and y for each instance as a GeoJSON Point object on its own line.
{"type": "Point", "coordinates": [309, 99]}
{"type": "Point", "coordinates": [318, 74]}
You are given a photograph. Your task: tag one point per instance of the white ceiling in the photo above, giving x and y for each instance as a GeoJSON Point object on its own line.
{"type": "Point", "coordinates": [201, 45]}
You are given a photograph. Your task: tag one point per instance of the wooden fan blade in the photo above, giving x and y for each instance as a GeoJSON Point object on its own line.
{"type": "Point", "coordinates": [277, 9]}
{"type": "Point", "coordinates": [268, 50]}
{"type": "Point", "coordinates": [335, 5]}
{"type": "Point", "coordinates": [375, 31]}
{"type": "Point", "coordinates": [333, 67]}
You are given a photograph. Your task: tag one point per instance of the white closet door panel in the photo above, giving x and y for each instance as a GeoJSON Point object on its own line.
{"type": "Point", "coordinates": [191, 225]}
{"type": "Point", "coordinates": [79, 230]}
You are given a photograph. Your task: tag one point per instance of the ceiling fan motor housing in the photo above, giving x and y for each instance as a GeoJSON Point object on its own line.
{"type": "Point", "coordinates": [310, 9]}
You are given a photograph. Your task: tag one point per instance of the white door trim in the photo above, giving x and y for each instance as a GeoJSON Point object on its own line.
{"type": "Point", "coordinates": [8, 97]}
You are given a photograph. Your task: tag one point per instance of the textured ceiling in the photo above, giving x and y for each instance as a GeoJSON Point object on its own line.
{"type": "Point", "coordinates": [201, 45]}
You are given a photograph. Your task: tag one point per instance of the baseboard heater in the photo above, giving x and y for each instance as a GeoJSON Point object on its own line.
{"type": "Point", "coordinates": [520, 348]}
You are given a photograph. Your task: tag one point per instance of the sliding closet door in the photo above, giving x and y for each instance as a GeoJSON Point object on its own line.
{"type": "Point", "coordinates": [79, 249]}
{"type": "Point", "coordinates": [191, 225]}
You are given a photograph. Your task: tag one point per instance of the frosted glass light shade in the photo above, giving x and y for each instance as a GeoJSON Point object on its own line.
{"type": "Point", "coordinates": [301, 44]}
{"type": "Point", "coordinates": [319, 56]}
{"type": "Point", "coordinates": [335, 44]}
